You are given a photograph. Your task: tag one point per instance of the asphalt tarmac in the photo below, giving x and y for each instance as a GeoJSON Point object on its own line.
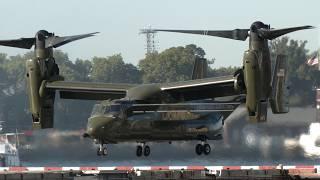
{"type": "Point", "coordinates": [288, 139]}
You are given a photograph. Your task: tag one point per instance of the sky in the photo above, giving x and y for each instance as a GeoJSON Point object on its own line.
{"type": "Point", "coordinates": [119, 22]}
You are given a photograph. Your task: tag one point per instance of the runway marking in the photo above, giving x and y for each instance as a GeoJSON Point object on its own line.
{"type": "Point", "coordinates": [4, 169]}
{"type": "Point", "coordinates": [177, 167]}
{"type": "Point", "coordinates": [17, 169]}
{"type": "Point", "coordinates": [286, 167]}
{"type": "Point", "coordinates": [317, 167]}
{"type": "Point", "coordinates": [250, 167]}
{"type": "Point", "coordinates": [70, 168]}
{"type": "Point", "coordinates": [107, 168]}
{"type": "Point", "coordinates": [52, 168]}
{"type": "Point", "coordinates": [142, 168]}
{"type": "Point", "coordinates": [231, 167]}
{"type": "Point", "coordinates": [88, 168]}
{"type": "Point", "coordinates": [153, 168]}
{"type": "Point", "coordinates": [298, 169]}
{"type": "Point", "coordinates": [34, 169]}
{"type": "Point", "coordinates": [267, 167]}
{"type": "Point", "coordinates": [196, 167]}
{"type": "Point", "coordinates": [124, 168]}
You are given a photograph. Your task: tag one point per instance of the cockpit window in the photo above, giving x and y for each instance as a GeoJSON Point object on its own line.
{"type": "Point", "coordinates": [124, 102]}
{"type": "Point", "coordinates": [112, 108]}
{"type": "Point", "coordinates": [115, 108]}
{"type": "Point", "coordinates": [98, 109]}
{"type": "Point", "coordinates": [107, 109]}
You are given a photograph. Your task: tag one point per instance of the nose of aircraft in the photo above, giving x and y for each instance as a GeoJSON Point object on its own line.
{"type": "Point", "coordinates": [97, 126]}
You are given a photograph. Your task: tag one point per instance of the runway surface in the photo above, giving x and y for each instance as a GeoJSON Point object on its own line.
{"type": "Point", "coordinates": [289, 139]}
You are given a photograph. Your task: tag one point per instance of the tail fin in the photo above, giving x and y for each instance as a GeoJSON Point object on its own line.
{"type": "Point", "coordinates": [280, 90]}
{"type": "Point", "coordinates": [200, 68]}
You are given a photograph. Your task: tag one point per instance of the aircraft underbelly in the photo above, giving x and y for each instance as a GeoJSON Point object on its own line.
{"type": "Point", "coordinates": [156, 127]}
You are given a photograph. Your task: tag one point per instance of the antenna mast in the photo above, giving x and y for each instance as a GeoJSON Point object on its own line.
{"type": "Point", "coordinates": [150, 38]}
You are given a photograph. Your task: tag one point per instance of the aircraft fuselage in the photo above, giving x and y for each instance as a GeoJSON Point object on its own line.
{"type": "Point", "coordinates": [115, 123]}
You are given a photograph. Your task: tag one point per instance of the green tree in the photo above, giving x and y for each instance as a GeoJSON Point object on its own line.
{"type": "Point", "coordinates": [3, 73]}
{"type": "Point", "coordinates": [15, 68]}
{"type": "Point", "coordinates": [112, 69]}
{"type": "Point", "coordinates": [173, 64]}
{"type": "Point", "coordinates": [13, 96]}
{"type": "Point", "coordinates": [198, 51]}
{"type": "Point", "coordinates": [82, 69]}
{"type": "Point", "coordinates": [66, 66]}
{"type": "Point", "coordinates": [72, 114]}
{"type": "Point", "coordinates": [222, 71]}
{"type": "Point", "coordinates": [301, 76]}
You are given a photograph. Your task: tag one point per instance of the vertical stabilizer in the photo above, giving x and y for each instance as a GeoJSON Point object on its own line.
{"type": "Point", "coordinates": [200, 68]}
{"type": "Point", "coordinates": [279, 100]}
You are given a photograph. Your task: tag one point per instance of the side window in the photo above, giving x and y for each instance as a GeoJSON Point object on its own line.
{"type": "Point", "coordinates": [107, 109]}
{"type": "Point", "coordinates": [115, 108]}
{"type": "Point", "coordinates": [96, 109]}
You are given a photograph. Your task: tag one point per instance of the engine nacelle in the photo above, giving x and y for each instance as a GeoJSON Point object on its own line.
{"type": "Point", "coordinates": [41, 103]}
{"type": "Point", "coordinates": [257, 107]}
{"type": "Point", "coordinates": [279, 99]}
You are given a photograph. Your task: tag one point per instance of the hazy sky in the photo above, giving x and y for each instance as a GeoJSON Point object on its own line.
{"type": "Point", "coordinates": [119, 21]}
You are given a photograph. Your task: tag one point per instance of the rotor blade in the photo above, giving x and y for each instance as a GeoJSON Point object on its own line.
{"type": "Point", "coordinates": [237, 34]}
{"type": "Point", "coordinates": [57, 41]}
{"type": "Point", "coordinates": [25, 43]}
{"type": "Point", "coordinates": [274, 33]}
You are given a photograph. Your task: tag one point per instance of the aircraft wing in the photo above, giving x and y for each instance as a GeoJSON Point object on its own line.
{"type": "Point", "coordinates": [89, 90]}
{"type": "Point", "coordinates": [201, 88]}
{"type": "Point", "coordinates": [185, 90]}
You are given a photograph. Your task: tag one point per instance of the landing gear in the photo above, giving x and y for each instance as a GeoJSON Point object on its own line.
{"type": "Point", "coordinates": [199, 149]}
{"type": "Point", "coordinates": [99, 152]}
{"type": "Point", "coordinates": [102, 150]}
{"type": "Point", "coordinates": [203, 148]}
{"type": "Point", "coordinates": [206, 149]}
{"type": "Point", "coordinates": [139, 151]}
{"type": "Point", "coordinates": [146, 151]}
{"type": "Point", "coordinates": [143, 150]}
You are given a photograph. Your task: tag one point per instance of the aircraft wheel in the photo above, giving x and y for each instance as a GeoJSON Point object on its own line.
{"type": "Point", "coordinates": [146, 151]}
{"type": "Point", "coordinates": [206, 149]}
{"type": "Point", "coordinates": [139, 151]}
{"type": "Point", "coordinates": [104, 151]}
{"type": "Point", "coordinates": [199, 149]}
{"type": "Point", "coordinates": [99, 152]}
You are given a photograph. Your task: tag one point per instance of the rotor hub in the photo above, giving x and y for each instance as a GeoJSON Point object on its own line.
{"type": "Point", "coordinates": [43, 35]}
{"type": "Point", "coordinates": [258, 25]}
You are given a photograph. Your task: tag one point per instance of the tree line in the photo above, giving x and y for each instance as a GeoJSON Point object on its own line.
{"type": "Point", "coordinates": [173, 64]}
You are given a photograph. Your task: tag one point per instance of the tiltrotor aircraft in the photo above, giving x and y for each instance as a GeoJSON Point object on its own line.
{"type": "Point", "coordinates": [255, 77]}
{"type": "Point", "coordinates": [187, 110]}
